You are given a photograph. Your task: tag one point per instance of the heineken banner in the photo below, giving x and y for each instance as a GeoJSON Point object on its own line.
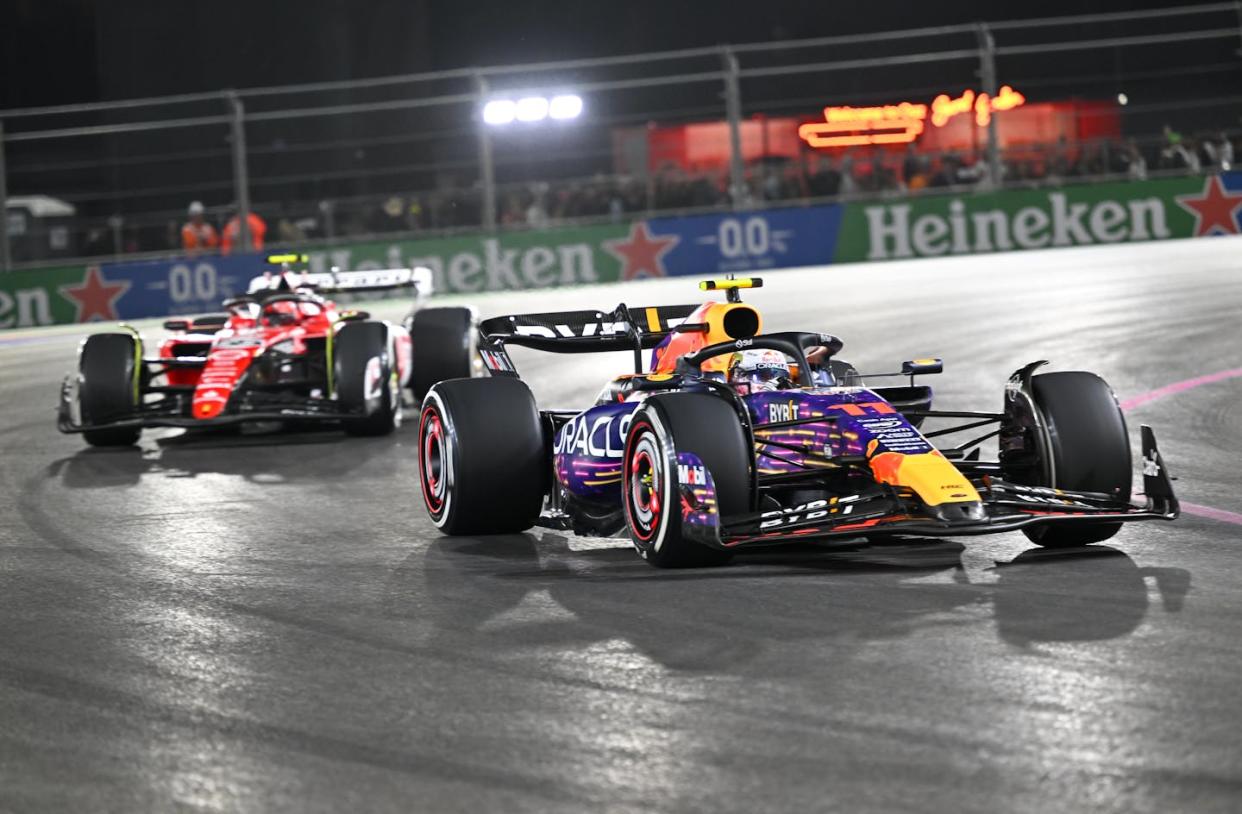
{"type": "Point", "coordinates": [928, 225]}
{"type": "Point", "coordinates": [119, 291]}
{"type": "Point", "coordinates": [508, 262]}
{"type": "Point", "coordinates": [697, 245]}
{"type": "Point", "coordinates": [38, 296]}
{"type": "Point", "coordinates": [186, 285]}
{"type": "Point", "coordinates": [747, 241]}
{"type": "Point", "coordinates": [1083, 215]}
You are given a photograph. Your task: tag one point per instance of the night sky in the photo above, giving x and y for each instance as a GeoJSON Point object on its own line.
{"type": "Point", "coordinates": [65, 51]}
{"type": "Point", "coordinates": [58, 51]}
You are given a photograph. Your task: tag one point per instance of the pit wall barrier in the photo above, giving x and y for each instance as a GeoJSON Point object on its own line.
{"type": "Point", "coordinates": [927, 225]}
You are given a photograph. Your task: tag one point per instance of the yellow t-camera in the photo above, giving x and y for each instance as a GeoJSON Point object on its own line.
{"type": "Point", "coordinates": [727, 284]}
{"type": "Point", "coordinates": [281, 259]}
{"type": "Point", "coordinates": [731, 286]}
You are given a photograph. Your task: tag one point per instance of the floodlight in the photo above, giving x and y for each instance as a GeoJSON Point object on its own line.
{"type": "Point", "coordinates": [565, 106]}
{"type": "Point", "coordinates": [532, 109]}
{"type": "Point", "coordinates": [499, 111]}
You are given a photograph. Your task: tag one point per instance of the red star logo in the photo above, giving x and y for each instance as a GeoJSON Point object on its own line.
{"type": "Point", "coordinates": [641, 255]}
{"type": "Point", "coordinates": [1215, 211]}
{"type": "Point", "coordinates": [95, 298]}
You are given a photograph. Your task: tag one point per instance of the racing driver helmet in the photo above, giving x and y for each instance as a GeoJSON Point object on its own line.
{"type": "Point", "coordinates": [759, 371]}
{"type": "Point", "coordinates": [281, 313]}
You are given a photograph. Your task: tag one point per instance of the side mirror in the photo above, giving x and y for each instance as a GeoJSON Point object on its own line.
{"type": "Point", "coordinates": [916, 367]}
{"type": "Point", "coordinates": [176, 325]}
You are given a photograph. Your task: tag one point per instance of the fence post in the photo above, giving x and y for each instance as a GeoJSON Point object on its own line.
{"type": "Point", "coordinates": [987, 74]}
{"type": "Point", "coordinates": [116, 223]}
{"type": "Point", "coordinates": [241, 175]}
{"type": "Point", "coordinates": [328, 209]}
{"type": "Point", "coordinates": [6, 259]}
{"type": "Point", "coordinates": [487, 169]}
{"type": "Point", "coordinates": [1237, 6]}
{"type": "Point", "coordinates": [733, 110]}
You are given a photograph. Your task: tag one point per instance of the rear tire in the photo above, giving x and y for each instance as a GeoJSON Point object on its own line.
{"type": "Point", "coordinates": [107, 387]}
{"type": "Point", "coordinates": [483, 460]}
{"type": "Point", "coordinates": [662, 427]}
{"type": "Point", "coordinates": [443, 341]}
{"type": "Point", "coordinates": [1088, 447]}
{"type": "Point", "coordinates": [366, 379]}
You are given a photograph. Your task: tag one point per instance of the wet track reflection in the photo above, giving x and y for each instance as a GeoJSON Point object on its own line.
{"type": "Point", "coordinates": [268, 621]}
{"type": "Point", "coordinates": [1079, 595]}
{"type": "Point", "coordinates": [1086, 594]}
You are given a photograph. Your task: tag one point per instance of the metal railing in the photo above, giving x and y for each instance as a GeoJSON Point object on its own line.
{"type": "Point", "coordinates": [334, 153]}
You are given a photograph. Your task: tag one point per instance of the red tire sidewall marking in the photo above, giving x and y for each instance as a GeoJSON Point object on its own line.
{"type": "Point", "coordinates": [435, 504]}
{"type": "Point", "coordinates": [642, 427]}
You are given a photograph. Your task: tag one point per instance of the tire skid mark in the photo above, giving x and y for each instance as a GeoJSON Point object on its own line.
{"type": "Point", "coordinates": [158, 587]}
{"type": "Point", "coordinates": [426, 762]}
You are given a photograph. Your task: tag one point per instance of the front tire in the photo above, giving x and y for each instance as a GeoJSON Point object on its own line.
{"type": "Point", "coordinates": [443, 342]}
{"type": "Point", "coordinates": [1086, 448]}
{"type": "Point", "coordinates": [366, 378]}
{"type": "Point", "coordinates": [108, 387]}
{"type": "Point", "coordinates": [662, 427]}
{"type": "Point", "coordinates": [483, 460]}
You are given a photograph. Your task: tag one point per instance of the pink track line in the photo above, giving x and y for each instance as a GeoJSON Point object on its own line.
{"type": "Point", "coordinates": [1181, 387]}
{"type": "Point", "coordinates": [1212, 514]}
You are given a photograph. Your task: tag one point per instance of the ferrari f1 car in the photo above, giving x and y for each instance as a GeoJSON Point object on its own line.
{"type": "Point", "coordinates": [732, 438]}
{"type": "Point", "coordinates": [282, 352]}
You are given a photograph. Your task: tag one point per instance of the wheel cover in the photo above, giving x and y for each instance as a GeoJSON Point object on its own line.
{"type": "Point", "coordinates": [432, 460]}
{"type": "Point", "coordinates": [644, 485]}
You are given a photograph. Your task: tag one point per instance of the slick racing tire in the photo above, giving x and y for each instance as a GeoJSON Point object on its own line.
{"type": "Point", "coordinates": [108, 387]}
{"type": "Point", "coordinates": [443, 342]}
{"type": "Point", "coordinates": [483, 458]}
{"type": "Point", "coordinates": [1087, 446]}
{"type": "Point", "coordinates": [366, 378]}
{"type": "Point", "coordinates": [662, 427]}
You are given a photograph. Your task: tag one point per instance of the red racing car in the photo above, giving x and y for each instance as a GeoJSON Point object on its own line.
{"type": "Point", "coordinates": [282, 352]}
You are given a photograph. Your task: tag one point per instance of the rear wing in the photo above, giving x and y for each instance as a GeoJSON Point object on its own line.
{"type": "Point", "coordinates": [623, 328]}
{"type": "Point", "coordinates": [417, 278]}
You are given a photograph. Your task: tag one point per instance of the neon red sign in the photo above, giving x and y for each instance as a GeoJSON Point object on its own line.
{"type": "Point", "coordinates": [901, 123]}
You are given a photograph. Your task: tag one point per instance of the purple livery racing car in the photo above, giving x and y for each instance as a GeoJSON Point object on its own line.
{"type": "Point", "coordinates": [732, 438]}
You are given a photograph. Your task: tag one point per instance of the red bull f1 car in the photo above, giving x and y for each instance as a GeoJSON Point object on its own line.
{"type": "Point", "coordinates": [730, 438]}
{"type": "Point", "coordinates": [282, 352]}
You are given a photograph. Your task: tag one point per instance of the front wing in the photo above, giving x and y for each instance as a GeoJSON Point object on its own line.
{"type": "Point", "coordinates": [883, 510]}
{"type": "Point", "coordinates": [171, 412]}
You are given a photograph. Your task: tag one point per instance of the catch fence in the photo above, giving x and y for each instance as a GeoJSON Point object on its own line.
{"type": "Point", "coordinates": [1134, 95]}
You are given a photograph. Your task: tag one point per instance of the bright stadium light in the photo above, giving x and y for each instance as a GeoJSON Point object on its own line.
{"type": "Point", "coordinates": [532, 109]}
{"type": "Point", "coordinates": [499, 111]}
{"type": "Point", "coordinates": [565, 106]}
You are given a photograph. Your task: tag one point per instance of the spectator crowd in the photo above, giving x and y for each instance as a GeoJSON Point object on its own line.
{"type": "Point", "coordinates": [847, 174]}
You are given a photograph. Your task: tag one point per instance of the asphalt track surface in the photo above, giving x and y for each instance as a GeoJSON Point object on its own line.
{"type": "Point", "coordinates": [269, 622]}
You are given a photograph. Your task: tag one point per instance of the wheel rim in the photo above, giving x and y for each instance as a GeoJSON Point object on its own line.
{"type": "Point", "coordinates": [433, 459]}
{"type": "Point", "coordinates": [645, 483]}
